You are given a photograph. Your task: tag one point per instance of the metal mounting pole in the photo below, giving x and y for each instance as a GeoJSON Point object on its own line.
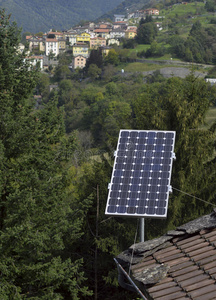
{"type": "Point", "coordinates": [142, 229]}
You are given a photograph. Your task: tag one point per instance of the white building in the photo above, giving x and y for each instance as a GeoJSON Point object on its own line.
{"type": "Point", "coordinates": [35, 60]}
{"type": "Point", "coordinates": [52, 46]}
{"type": "Point", "coordinates": [119, 18]}
{"type": "Point", "coordinates": [71, 37]}
{"type": "Point", "coordinates": [117, 33]}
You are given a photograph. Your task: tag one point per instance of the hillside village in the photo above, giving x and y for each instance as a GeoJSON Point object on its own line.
{"type": "Point", "coordinates": [82, 39]}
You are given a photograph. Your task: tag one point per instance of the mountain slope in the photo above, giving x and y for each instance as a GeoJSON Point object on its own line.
{"type": "Point", "coordinates": [42, 15]}
{"type": "Point", "coordinates": [127, 6]}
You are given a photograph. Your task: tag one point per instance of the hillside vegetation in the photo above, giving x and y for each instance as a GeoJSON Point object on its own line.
{"type": "Point", "coordinates": [38, 15]}
{"type": "Point", "coordinates": [57, 155]}
{"type": "Point", "coordinates": [186, 32]}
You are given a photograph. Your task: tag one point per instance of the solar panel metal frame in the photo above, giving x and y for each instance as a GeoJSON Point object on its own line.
{"type": "Point", "coordinates": [131, 207]}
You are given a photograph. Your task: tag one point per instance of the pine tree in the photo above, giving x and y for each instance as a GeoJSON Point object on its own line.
{"type": "Point", "coordinates": [104, 238]}
{"type": "Point", "coordinates": [181, 105]}
{"type": "Point", "coordinates": [39, 220]}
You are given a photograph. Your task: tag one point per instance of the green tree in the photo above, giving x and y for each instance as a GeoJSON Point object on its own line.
{"type": "Point", "coordinates": [99, 244]}
{"type": "Point", "coordinates": [128, 43]}
{"type": "Point", "coordinates": [112, 58]}
{"type": "Point", "coordinates": [181, 105]}
{"type": "Point", "coordinates": [40, 34]}
{"type": "Point", "coordinates": [39, 220]}
{"type": "Point", "coordinates": [108, 73]}
{"type": "Point", "coordinates": [95, 58]}
{"type": "Point", "coordinates": [123, 54]}
{"type": "Point", "coordinates": [155, 50]}
{"type": "Point", "coordinates": [94, 72]}
{"type": "Point", "coordinates": [43, 85]}
{"type": "Point", "coordinates": [199, 42]}
{"type": "Point", "coordinates": [62, 72]}
{"type": "Point", "coordinates": [177, 46]}
{"type": "Point", "coordinates": [66, 92]}
{"type": "Point", "coordinates": [146, 33]}
{"type": "Point", "coordinates": [210, 6]}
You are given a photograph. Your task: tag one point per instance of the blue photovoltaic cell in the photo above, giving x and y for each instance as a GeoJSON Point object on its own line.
{"type": "Point", "coordinates": [140, 182]}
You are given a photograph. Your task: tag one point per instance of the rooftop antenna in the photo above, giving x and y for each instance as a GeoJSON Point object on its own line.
{"type": "Point", "coordinates": [140, 182]}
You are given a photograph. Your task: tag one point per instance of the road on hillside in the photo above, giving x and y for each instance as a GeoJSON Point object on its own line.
{"type": "Point", "coordinates": [177, 68]}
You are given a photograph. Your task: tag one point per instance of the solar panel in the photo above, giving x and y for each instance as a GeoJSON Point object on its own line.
{"type": "Point", "coordinates": [140, 182]}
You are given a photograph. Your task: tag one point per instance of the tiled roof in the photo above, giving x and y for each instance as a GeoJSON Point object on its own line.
{"type": "Point", "coordinates": [98, 38]}
{"type": "Point", "coordinates": [179, 265]}
{"type": "Point", "coordinates": [35, 57]}
{"type": "Point", "coordinates": [118, 30]}
{"type": "Point", "coordinates": [80, 44]}
{"type": "Point", "coordinates": [120, 22]}
{"type": "Point", "coordinates": [131, 30]}
{"type": "Point", "coordinates": [55, 32]}
{"type": "Point", "coordinates": [51, 40]}
{"type": "Point", "coordinates": [102, 30]}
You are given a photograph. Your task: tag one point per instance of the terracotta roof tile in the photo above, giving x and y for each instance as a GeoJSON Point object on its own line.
{"type": "Point", "coordinates": [208, 296]}
{"type": "Point", "coordinates": [185, 260]}
{"type": "Point", "coordinates": [180, 268]}
{"type": "Point", "coordinates": [203, 291]}
{"type": "Point", "coordinates": [203, 262]}
{"type": "Point", "coordinates": [170, 290]}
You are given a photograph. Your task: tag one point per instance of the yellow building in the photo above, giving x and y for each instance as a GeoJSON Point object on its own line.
{"type": "Point", "coordinates": [130, 34]}
{"type": "Point", "coordinates": [105, 50]}
{"type": "Point", "coordinates": [80, 49]}
{"type": "Point", "coordinates": [84, 37]}
{"type": "Point", "coordinates": [62, 44]}
{"type": "Point", "coordinates": [97, 42]}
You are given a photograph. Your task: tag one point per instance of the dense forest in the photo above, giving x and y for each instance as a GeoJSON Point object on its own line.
{"type": "Point", "coordinates": [56, 162]}
{"type": "Point", "coordinates": [38, 15]}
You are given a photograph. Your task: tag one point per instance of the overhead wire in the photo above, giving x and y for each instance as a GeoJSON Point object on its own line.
{"type": "Point", "coordinates": [190, 195]}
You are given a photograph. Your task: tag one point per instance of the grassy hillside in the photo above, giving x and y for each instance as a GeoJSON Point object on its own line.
{"type": "Point", "coordinates": [39, 15]}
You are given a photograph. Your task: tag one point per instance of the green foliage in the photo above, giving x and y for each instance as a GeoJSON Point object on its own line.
{"type": "Point", "coordinates": [147, 19]}
{"type": "Point", "coordinates": [210, 6]}
{"type": "Point", "coordinates": [43, 86]}
{"type": "Point", "coordinates": [39, 17]}
{"type": "Point", "coordinates": [128, 43]}
{"type": "Point", "coordinates": [146, 33]}
{"type": "Point", "coordinates": [198, 47]}
{"type": "Point", "coordinates": [99, 245]}
{"type": "Point", "coordinates": [155, 50]}
{"type": "Point", "coordinates": [112, 58]}
{"type": "Point", "coordinates": [65, 58]}
{"type": "Point", "coordinates": [55, 240]}
{"type": "Point", "coordinates": [39, 220]}
{"type": "Point", "coordinates": [177, 46]}
{"type": "Point", "coordinates": [95, 58]}
{"type": "Point", "coordinates": [108, 73]}
{"type": "Point", "coordinates": [62, 72]}
{"type": "Point", "coordinates": [94, 72]}
{"type": "Point", "coordinates": [181, 105]}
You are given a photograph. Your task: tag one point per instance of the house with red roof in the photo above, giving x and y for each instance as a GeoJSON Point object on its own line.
{"type": "Point", "coordinates": [102, 32]}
